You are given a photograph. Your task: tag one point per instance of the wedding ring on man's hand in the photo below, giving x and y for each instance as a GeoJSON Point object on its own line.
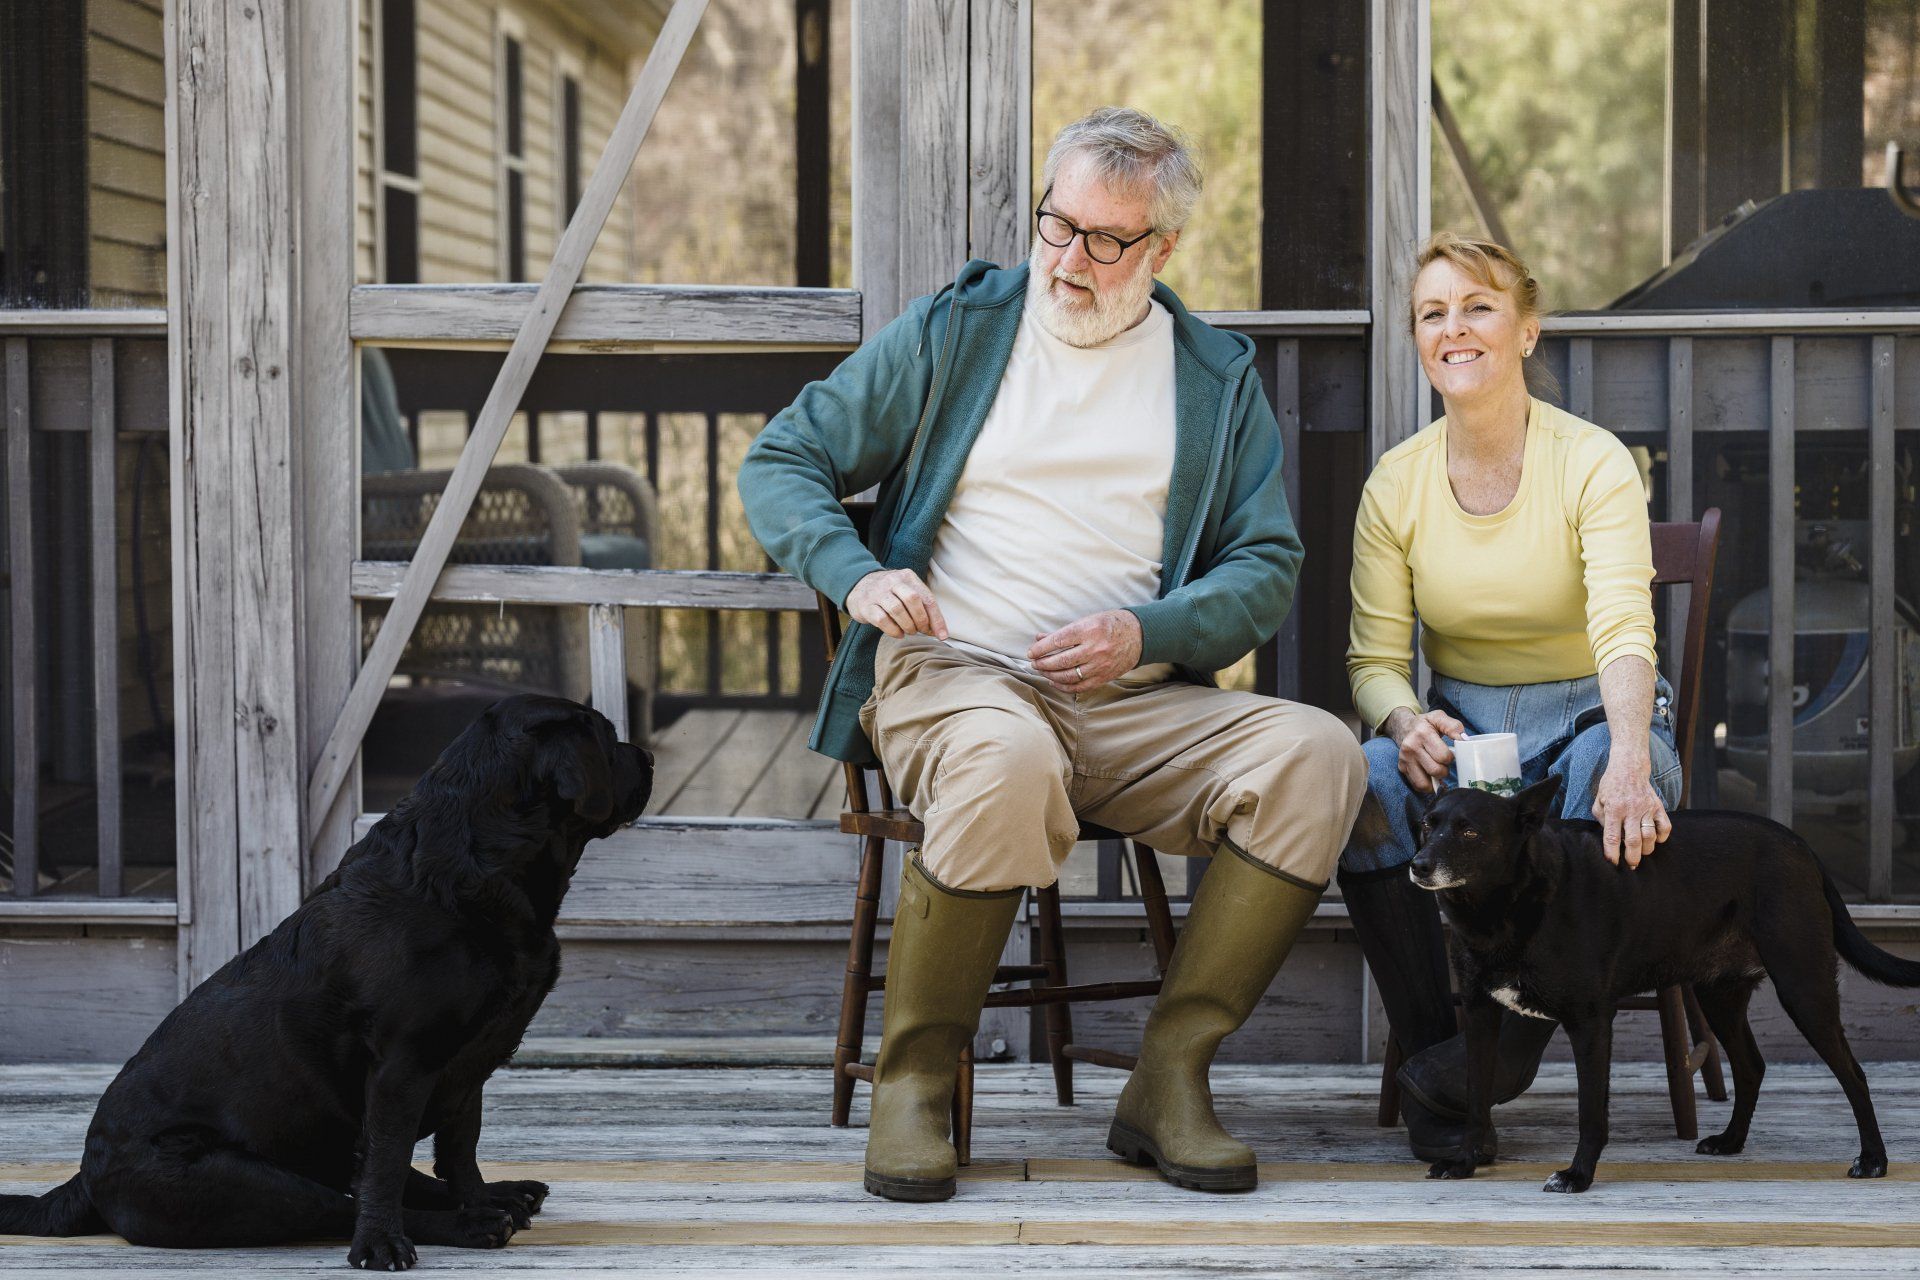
{"type": "Point", "coordinates": [1078, 674]}
{"type": "Point", "coordinates": [1647, 824]}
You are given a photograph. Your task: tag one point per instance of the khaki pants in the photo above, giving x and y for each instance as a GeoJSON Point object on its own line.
{"type": "Point", "coordinates": [1000, 767]}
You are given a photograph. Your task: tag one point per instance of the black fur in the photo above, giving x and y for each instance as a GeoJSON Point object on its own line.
{"type": "Point", "coordinates": [282, 1099]}
{"type": "Point", "coordinates": [1540, 916]}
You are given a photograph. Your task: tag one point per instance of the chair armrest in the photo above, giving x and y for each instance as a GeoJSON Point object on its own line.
{"type": "Point", "coordinates": [612, 498]}
{"type": "Point", "coordinates": [523, 514]}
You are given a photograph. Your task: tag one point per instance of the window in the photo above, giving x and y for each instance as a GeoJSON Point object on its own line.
{"type": "Point", "coordinates": [513, 150]}
{"type": "Point", "coordinates": [399, 133]}
{"type": "Point", "coordinates": [566, 168]}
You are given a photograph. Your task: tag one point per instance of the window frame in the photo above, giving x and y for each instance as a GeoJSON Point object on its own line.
{"type": "Point", "coordinates": [510, 32]}
{"type": "Point", "coordinates": [387, 180]}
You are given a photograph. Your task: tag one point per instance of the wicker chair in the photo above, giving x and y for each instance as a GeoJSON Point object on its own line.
{"type": "Point", "coordinates": [593, 514]}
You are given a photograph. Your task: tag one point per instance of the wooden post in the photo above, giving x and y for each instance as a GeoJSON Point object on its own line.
{"type": "Point", "coordinates": [327, 405]}
{"type": "Point", "coordinates": [933, 145]}
{"type": "Point", "coordinates": [232, 317]}
{"type": "Point", "coordinates": [25, 727]}
{"type": "Point", "coordinates": [607, 659]}
{"type": "Point", "coordinates": [1000, 131]}
{"type": "Point", "coordinates": [1402, 79]}
{"type": "Point", "coordinates": [104, 580]}
{"type": "Point", "coordinates": [876, 161]}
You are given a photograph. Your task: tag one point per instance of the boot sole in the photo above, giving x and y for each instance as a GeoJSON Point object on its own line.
{"type": "Point", "coordinates": [1137, 1149]}
{"type": "Point", "coordinates": [912, 1190]}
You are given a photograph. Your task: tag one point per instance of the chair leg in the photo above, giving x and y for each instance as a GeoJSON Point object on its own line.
{"type": "Point", "coordinates": [1703, 1035]}
{"type": "Point", "coordinates": [1058, 1017]}
{"type": "Point", "coordinates": [1389, 1113]}
{"type": "Point", "coordinates": [963, 1108]}
{"type": "Point", "coordinates": [859, 979]}
{"type": "Point", "coordinates": [1153, 893]}
{"type": "Point", "coordinates": [1677, 1046]}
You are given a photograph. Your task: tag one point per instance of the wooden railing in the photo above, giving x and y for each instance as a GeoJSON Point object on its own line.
{"type": "Point", "coordinates": [1760, 388]}
{"type": "Point", "coordinates": [96, 375]}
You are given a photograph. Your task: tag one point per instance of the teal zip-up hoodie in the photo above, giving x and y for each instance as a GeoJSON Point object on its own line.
{"type": "Point", "coordinates": [903, 411]}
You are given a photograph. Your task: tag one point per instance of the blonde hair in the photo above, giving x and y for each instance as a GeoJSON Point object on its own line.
{"type": "Point", "coordinates": [1497, 267]}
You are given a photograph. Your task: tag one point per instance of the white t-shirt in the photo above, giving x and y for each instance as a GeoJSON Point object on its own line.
{"type": "Point", "coordinates": [1060, 511]}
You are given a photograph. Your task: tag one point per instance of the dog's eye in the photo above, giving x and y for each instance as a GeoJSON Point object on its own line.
{"type": "Point", "coordinates": [1468, 833]}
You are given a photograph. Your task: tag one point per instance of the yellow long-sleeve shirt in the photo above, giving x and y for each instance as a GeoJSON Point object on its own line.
{"type": "Point", "coordinates": [1554, 587]}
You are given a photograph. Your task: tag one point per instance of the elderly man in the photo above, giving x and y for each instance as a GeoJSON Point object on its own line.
{"type": "Point", "coordinates": [1081, 517]}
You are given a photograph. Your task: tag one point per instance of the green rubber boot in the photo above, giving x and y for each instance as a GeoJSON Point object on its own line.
{"type": "Point", "coordinates": [1240, 927]}
{"type": "Point", "coordinates": [946, 945]}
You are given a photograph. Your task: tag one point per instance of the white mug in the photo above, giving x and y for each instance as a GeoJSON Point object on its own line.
{"type": "Point", "coordinates": [1488, 762]}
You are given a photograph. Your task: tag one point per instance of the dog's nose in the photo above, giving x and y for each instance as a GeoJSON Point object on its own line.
{"type": "Point", "coordinates": [1422, 866]}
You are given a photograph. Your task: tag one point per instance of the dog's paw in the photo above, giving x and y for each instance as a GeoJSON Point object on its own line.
{"type": "Point", "coordinates": [483, 1229]}
{"type": "Point", "coordinates": [1569, 1180]}
{"type": "Point", "coordinates": [376, 1249]}
{"type": "Point", "coordinates": [529, 1196]}
{"type": "Point", "coordinates": [1869, 1166]}
{"type": "Point", "coordinates": [1455, 1168]}
{"type": "Point", "coordinates": [1719, 1144]}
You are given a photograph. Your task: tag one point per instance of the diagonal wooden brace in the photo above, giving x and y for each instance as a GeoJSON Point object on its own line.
{"type": "Point", "coordinates": [563, 273]}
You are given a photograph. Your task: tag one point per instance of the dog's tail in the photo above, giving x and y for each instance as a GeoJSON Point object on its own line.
{"type": "Point", "coordinates": [63, 1211]}
{"type": "Point", "coordinates": [1858, 952]}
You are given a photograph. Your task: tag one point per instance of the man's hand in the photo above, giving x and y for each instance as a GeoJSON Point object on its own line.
{"type": "Point", "coordinates": [1086, 654]}
{"type": "Point", "coordinates": [897, 602]}
{"type": "Point", "coordinates": [1425, 756]}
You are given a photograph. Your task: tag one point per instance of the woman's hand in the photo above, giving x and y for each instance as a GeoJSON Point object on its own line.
{"type": "Point", "coordinates": [1424, 755]}
{"type": "Point", "coordinates": [1629, 811]}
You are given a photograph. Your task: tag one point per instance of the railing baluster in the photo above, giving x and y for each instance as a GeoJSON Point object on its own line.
{"type": "Point", "coordinates": [26, 730]}
{"type": "Point", "coordinates": [1580, 378]}
{"type": "Point", "coordinates": [1680, 507]}
{"type": "Point", "coordinates": [607, 661]}
{"type": "Point", "coordinates": [1106, 875]}
{"type": "Point", "coordinates": [1780, 481]}
{"type": "Point", "coordinates": [1286, 397]}
{"type": "Point", "coordinates": [1883, 721]}
{"type": "Point", "coordinates": [106, 618]}
{"type": "Point", "coordinates": [715, 684]}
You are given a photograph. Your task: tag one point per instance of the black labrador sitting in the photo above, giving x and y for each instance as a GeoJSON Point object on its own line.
{"type": "Point", "coordinates": [1544, 925]}
{"type": "Point", "coordinates": [282, 1099]}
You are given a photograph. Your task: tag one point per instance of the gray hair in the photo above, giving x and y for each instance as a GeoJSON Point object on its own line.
{"type": "Point", "coordinates": [1127, 148]}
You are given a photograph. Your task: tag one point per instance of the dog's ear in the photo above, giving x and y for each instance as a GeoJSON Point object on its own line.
{"type": "Point", "coordinates": [1536, 805]}
{"type": "Point", "coordinates": [570, 755]}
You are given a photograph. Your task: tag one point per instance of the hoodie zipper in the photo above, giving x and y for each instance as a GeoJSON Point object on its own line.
{"type": "Point", "coordinates": [934, 390]}
{"type": "Point", "coordinates": [1206, 494]}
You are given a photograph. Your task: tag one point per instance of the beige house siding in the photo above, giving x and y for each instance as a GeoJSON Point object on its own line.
{"type": "Point", "coordinates": [460, 202]}
{"type": "Point", "coordinates": [126, 156]}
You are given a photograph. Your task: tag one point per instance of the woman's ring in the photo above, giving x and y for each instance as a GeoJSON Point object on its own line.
{"type": "Point", "coordinates": [1646, 823]}
{"type": "Point", "coordinates": [1078, 674]}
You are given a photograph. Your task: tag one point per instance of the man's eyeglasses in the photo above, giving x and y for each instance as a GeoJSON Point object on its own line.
{"type": "Point", "coordinates": [1103, 247]}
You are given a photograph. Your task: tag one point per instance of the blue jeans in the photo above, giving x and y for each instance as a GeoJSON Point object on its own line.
{"type": "Point", "coordinates": [1562, 728]}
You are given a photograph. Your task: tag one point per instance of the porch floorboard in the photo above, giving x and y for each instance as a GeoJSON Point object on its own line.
{"type": "Point", "coordinates": [736, 1172]}
{"type": "Point", "coordinates": [742, 764]}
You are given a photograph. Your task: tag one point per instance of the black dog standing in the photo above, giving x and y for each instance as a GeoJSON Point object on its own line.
{"type": "Point", "coordinates": [281, 1101]}
{"type": "Point", "coordinates": [1544, 925]}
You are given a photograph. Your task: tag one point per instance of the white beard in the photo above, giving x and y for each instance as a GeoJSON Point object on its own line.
{"type": "Point", "coordinates": [1094, 320]}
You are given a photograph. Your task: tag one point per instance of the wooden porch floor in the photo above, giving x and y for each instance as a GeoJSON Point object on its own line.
{"type": "Point", "coordinates": [735, 1172]}
{"type": "Point", "coordinates": [743, 764]}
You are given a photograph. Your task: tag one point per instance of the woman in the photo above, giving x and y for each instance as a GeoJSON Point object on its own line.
{"type": "Point", "coordinates": [1518, 533]}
